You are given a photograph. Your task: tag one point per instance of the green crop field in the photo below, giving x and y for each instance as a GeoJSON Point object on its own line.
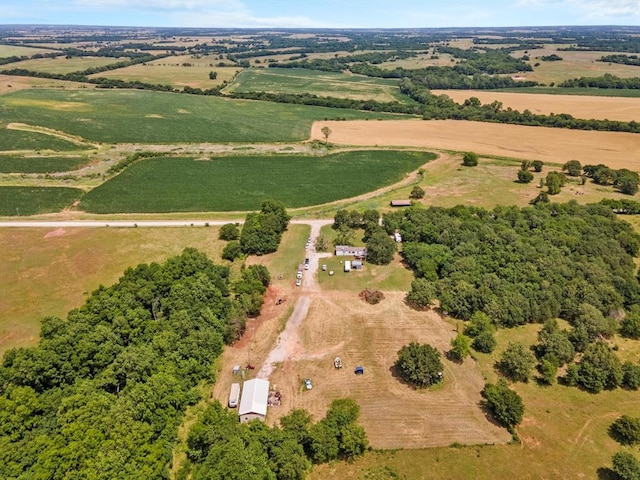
{"type": "Point", "coordinates": [35, 200]}
{"type": "Point", "coordinates": [156, 117]}
{"type": "Point", "coordinates": [228, 183]}
{"type": "Point", "coordinates": [63, 65]}
{"type": "Point", "coordinates": [18, 164]}
{"type": "Point", "coordinates": [324, 84]}
{"type": "Point", "coordinates": [22, 140]}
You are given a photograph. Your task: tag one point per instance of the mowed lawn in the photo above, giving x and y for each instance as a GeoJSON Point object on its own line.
{"type": "Point", "coordinates": [23, 140]}
{"type": "Point", "coordinates": [324, 84]}
{"type": "Point", "coordinates": [228, 183]}
{"type": "Point", "coordinates": [33, 164]}
{"type": "Point", "coordinates": [21, 201]}
{"type": "Point", "coordinates": [134, 116]}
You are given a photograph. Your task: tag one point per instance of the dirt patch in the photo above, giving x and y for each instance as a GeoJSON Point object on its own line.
{"type": "Point", "coordinates": [611, 108]}
{"type": "Point", "coordinates": [554, 145]}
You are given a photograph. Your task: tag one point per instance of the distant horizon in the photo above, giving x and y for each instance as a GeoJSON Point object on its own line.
{"type": "Point", "coordinates": [328, 14]}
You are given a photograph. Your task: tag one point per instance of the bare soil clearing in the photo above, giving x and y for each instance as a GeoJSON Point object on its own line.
{"type": "Point", "coordinates": [554, 145]}
{"type": "Point", "coordinates": [610, 108]}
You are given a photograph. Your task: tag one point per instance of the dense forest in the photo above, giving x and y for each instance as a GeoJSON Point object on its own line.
{"type": "Point", "coordinates": [103, 393]}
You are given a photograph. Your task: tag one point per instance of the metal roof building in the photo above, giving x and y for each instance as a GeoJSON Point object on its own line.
{"type": "Point", "coordinates": [253, 404]}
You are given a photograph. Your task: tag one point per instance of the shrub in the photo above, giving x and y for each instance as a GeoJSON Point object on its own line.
{"type": "Point", "coordinates": [417, 192]}
{"type": "Point", "coordinates": [484, 343]}
{"type": "Point", "coordinates": [505, 404]}
{"type": "Point", "coordinates": [517, 362]}
{"type": "Point", "coordinates": [524, 176]}
{"type": "Point", "coordinates": [626, 465]}
{"type": "Point", "coordinates": [229, 231]}
{"type": "Point", "coordinates": [626, 430]}
{"type": "Point", "coordinates": [470, 159]}
{"type": "Point", "coordinates": [372, 297]}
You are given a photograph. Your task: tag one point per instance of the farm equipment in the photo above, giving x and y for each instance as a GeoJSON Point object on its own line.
{"type": "Point", "coordinates": [337, 362]}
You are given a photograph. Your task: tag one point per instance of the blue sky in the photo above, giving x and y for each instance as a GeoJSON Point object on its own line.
{"type": "Point", "coordinates": [321, 14]}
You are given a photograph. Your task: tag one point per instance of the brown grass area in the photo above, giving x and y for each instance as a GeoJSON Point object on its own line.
{"type": "Point", "coordinates": [611, 108]}
{"type": "Point", "coordinates": [554, 145]}
{"type": "Point", "coordinates": [9, 83]}
{"type": "Point", "coordinates": [393, 414]}
{"type": "Point", "coordinates": [43, 274]}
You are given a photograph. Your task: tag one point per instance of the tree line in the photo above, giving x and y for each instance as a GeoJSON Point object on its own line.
{"type": "Point", "coordinates": [103, 393]}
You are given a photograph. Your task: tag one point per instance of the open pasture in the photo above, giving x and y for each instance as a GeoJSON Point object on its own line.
{"type": "Point", "coordinates": [136, 116]}
{"type": "Point", "coordinates": [18, 201]}
{"type": "Point", "coordinates": [50, 271]}
{"type": "Point", "coordinates": [19, 51]}
{"type": "Point", "coordinates": [610, 108]}
{"type": "Point", "coordinates": [421, 60]}
{"type": "Point", "coordinates": [11, 139]}
{"type": "Point", "coordinates": [173, 73]}
{"type": "Point", "coordinates": [62, 65]}
{"type": "Point", "coordinates": [39, 164]}
{"type": "Point", "coordinates": [552, 145]}
{"type": "Point", "coordinates": [573, 65]}
{"type": "Point", "coordinates": [324, 84]}
{"type": "Point", "coordinates": [12, 83]}
{"type": "Point", "coordinates": [228, 183]}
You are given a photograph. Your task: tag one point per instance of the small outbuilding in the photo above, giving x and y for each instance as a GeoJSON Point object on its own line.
{"type": "Point", "coordinates": [347, 266]}
{"type": "Point", "coordinates": [356, 265]}
{"type": "Point", "coordinates": [400, 203]}
{"type": "Point", "coordinates": [253, 404]}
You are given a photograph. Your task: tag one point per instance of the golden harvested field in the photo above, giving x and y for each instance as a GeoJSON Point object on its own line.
{"type": "Point", "coordinates": [553, 145]}
{"type": "Point", "coordinates": [15, 50]}
{"type": "Point", "coordinates": [64, 65]}
{"type": "Point", "coordinates": [393, 414]}
{"type": "Point", "coordinates": [610, 108]}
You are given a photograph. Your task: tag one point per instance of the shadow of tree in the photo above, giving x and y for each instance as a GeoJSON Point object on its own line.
{"type": "Point", "coordinates": [605, 473]}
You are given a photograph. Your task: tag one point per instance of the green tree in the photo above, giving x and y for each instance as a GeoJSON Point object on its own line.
{"type": "Point", "coordinates": [626, 430]}
{"type": "Point", "coordinates": [517, 362]}
{"type": "Point", "coordinates": [380, 248]}
{"type": "Point", "coordinates": [630, 326]}
{"type": "Point", "coordinates": [485, 342]}
{"type": "Point", "coordinates": [626, 465]}
{"type": "Point", "coordinates": [537, 165]}
{"type": "Point", "coordinates": [229, 231]}
{"type": "Point", "coordinates": [460, 347]}
{"type": "Point", "coordinates": [231, 251]}
{"type": "Point", "coordinates": [505, 404]}
{"type": "Point", "coordinates": [326, 131]}
{"type": "Point", "coordinates": [422, 294]}
{"type": "Point", "coordinates": [417, 192]}
{"type": "Point", "coordinates": [470, 159]}
{"type": "Point", "coordinates": [370, 216]}
{"type": "Point", "coordinates": [213, 75]}
{"type": "Point", "coordinates": [524, 176]}
{"type": "Point", "coordinates": [628, 183]}
{"type": "Point", "coordinates": [419, 365]}
{"type": "Point", "coordinates": [599, 368]}
{"type": "Point", "coordinates": [554, 182]}
{"type": "Point", "coordinates": [573, 168]}
{"type": "Point", "coordinates": [479, 323]}
{"type": "Point", "coordinates": [630, 376]}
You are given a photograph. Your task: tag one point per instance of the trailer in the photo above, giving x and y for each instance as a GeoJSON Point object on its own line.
{"type": "Point", "coordinates": [347, 265]}
{"type": "Point", "coordinates": [234, 395]}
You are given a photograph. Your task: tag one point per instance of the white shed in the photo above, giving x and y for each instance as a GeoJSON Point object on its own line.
{"type": "Point", "coordinates": [253, 403]}
{"type": "Point", "coordinates": [347, 265]}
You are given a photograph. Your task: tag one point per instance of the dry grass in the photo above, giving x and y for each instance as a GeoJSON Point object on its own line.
{"type": "Point", "coordinates": [552, 145]}
{"type": "Point", "coordinates": [10, 83]}
{"type": "Point", "coordinates": [341, 324]}
{"type": "Point", "coordinates": [611, 108]}
{"type": "Point", "coordinates": [48, 272]}
{"type": "Point", "coordinates": [572, 65]}
{"type": "Point", "coordinates": [64, 65]}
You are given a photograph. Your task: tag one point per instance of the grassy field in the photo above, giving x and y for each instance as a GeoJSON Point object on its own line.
{"type": "Point", "coordinates": [573, 65]}
{"type": "Point", "coordinates": [21, 164]}
{"type": "Point", "coordinates": [63, 65]}
{"type": "Point", "coordinates": [170, 71]}
{"type": "Point", "coordinates": [156, 117]}
{"type": "Point", "coordinates": [34, 200]}
{"type": "Point", "coordinates": [242, 182]}
{"type": "Point", "coordinates": [551, 145]}
{"type": "Point", "coordinates": [12, 83]}
{"type": "Point", "coordinates": [50, 271]}
{"type": "Point", "coordinates": [611, 108]}
{"type": "Point", "coordinates": [22, 140]}
{"type": "Point", "coordinates": [18, 51]}
{"type": "Point", "coordinates": [324, 84]}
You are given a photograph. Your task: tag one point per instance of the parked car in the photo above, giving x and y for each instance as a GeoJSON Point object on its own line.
{"type": "Point", "coordinates": [359, 370]}
{"type": "Point", "coordinates": [308, 384]}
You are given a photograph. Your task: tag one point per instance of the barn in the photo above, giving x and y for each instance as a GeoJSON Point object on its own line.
{"type": "Point", "coordinates": [253, 404]}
